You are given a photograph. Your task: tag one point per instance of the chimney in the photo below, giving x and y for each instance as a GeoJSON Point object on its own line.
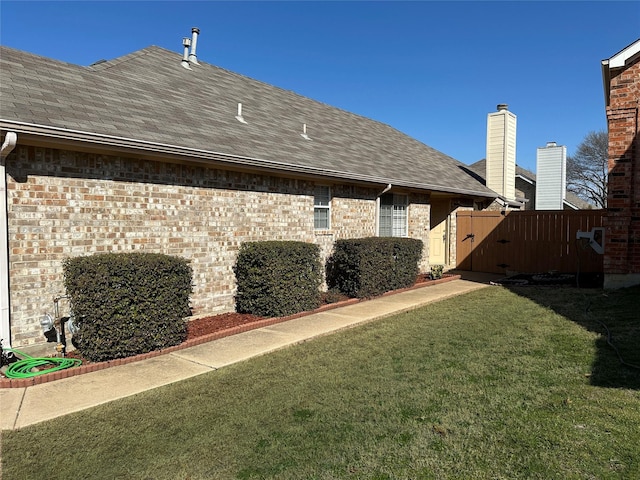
{"type": "Point", "coordinates": [501, 152]}
{"type": "Point", "coordinates": [194, 40]}
{"type": "Point", "coordinates": [551, 176]}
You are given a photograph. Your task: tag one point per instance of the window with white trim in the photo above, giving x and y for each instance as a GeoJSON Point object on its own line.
{"type": "Point", "coordinates": [393, 219]}
{"type": "Point", "coordinates": [322, 208]}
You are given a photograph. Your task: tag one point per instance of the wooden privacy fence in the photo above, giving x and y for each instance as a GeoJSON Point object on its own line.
{"type": "Point", "coordinates": [527, 241]}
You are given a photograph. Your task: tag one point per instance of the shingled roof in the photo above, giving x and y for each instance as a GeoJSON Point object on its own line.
{"type": "Point", "coordinates": [147, 101]}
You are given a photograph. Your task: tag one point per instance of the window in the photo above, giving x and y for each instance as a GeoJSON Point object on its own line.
{"type": "Point", "coordinates": [322, 208]}
{"type": "Point", "coordinates": [393, 216]}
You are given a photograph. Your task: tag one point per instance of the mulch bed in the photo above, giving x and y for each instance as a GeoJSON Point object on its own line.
{"type": "Point", "coordinates": [201, 330]}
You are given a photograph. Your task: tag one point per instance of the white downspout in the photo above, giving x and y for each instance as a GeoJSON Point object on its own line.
{"type": "Point", "coordinates": [386, 189]}
{"type": "Point", "coordinates": [8, 145]}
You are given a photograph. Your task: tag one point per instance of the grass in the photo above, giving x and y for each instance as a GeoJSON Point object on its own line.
{"type": "Point", "coordinates": [495, 384]}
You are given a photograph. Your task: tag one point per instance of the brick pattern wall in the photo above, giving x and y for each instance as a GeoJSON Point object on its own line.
{"type": "Point", "coordinates": [64, 203]}
{"type": "Point", "coordinates": [622, 249]}
{"type": "Point", "coordinates": [528, 191]}
{"type": "Point", "coordinates": [419, 225]}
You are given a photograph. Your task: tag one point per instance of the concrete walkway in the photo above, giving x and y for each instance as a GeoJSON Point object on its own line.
{"type": "Point", "coordinates": [20, 407]}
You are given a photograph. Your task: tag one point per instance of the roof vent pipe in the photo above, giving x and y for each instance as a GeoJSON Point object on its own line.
{"type": "Point", "coordinates": [194, 40]}
{"type": "Point", "coordinates": [239, 117]}
{"type": "Point", "coordinates": [185, 57]}
{"type": "Point", "coordinates": [304, 132]}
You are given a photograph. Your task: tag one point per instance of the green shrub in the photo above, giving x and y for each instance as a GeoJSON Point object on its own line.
{"type": "Point", "coordinates": [128, 303]}
{"type": "Point", "coordinates": [277, 278]}
{"type": "Point", "coordinates": [366, 267]}
{"type": "Point", "coordinates": [436, 271]}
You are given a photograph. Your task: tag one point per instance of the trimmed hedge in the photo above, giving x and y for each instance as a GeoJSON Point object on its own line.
{"type": "Point", "coordinates": [277, 278]}
{"type": "Point", "coordinates": [366, 267]}
{"type": "Point", "coordinates": [128, 303]}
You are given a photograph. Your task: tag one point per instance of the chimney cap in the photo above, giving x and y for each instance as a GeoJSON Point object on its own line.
{"type": "Point", "coordinates": [502, 106]}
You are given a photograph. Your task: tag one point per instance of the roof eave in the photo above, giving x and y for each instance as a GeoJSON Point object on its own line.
{"type": "Point", "coordinates": [525, 178]}
{"type": "Point", "coordinates": [570, 205]}
{"type": "Point", "coordinates": [606, 81]}
{"type": "Point", "coordinates": [207, 156]}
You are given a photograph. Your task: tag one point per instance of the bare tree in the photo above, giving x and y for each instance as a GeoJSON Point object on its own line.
{"type": "Point", "coordinates": [588, 169]}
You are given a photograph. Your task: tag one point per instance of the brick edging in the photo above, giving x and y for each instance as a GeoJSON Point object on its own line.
{"type": "Point", "coordinates": [94, 367]}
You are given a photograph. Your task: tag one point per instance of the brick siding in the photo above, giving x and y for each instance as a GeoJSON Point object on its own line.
{"type": "Point", "coordinates": [66, 203]}
{"type": "Point", "coordinates": [622, 249]}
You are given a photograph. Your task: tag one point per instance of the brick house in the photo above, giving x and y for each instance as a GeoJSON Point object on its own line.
{"type": "Point", "coordinates": [139, 153]}
{"type": "Point", "coordinates": [621, 78]}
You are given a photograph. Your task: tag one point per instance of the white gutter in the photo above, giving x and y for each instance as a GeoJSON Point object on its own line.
{"type": "Point", "coordinates": [5, 323]}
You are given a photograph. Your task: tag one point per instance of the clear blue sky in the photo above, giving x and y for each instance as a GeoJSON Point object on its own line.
{"type": "Point", "coordinates": [433, 70]}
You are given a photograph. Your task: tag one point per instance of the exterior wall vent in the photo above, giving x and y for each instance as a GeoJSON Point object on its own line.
{"type": "Point", "coordinates": [501, 152]}
{"type": "Point", "coordinates": [551, 176]}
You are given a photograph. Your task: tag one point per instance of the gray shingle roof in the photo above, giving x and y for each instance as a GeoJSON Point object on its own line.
{"type": "Point", "coordinates": [147, 96]}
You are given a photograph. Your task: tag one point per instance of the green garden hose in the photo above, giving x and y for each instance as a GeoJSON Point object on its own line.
{"type": "Point", "coordinates": [25, 368]}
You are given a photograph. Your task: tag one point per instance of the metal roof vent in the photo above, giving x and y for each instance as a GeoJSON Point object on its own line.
{"type": "Point", "coordinates": [194, 40]}
{"type": "Point", "coordinates": [239, 116]}
{"type": "Point", "coordinates": [304, 132]}
{"type": "Point", "coordinates": [185, 57]}
{"type": "Point", "coordinates": [189, 58]}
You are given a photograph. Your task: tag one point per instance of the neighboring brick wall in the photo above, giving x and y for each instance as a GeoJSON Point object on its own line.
{"type": "Point", "coordinates": [526, 190]}
{"type": "Point", "coordinates": [64, 203]}
{"type": "Point", "coordinates": [622, 249]}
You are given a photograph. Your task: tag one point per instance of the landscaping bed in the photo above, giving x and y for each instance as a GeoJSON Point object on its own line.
{"type": "Point", "coordinates": [202, 330]}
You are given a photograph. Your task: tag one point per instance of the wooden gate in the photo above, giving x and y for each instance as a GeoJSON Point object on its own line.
{"type": "Point", "coordinates": [527, 241]}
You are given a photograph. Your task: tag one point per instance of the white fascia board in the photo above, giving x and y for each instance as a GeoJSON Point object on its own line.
{"type": "Point", "coordinates": [570, 205]}
{"type": "Point", "coordinates": [526, 179]}
{"type": "Point", "coordinates": [620, 59]}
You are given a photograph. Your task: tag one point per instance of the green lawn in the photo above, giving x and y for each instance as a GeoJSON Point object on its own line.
{"type": "Point", "coordinates": [495, 384]}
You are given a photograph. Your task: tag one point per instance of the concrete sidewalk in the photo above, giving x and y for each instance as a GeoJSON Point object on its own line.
{"type": "Point", "coordinates": [21, 407]}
